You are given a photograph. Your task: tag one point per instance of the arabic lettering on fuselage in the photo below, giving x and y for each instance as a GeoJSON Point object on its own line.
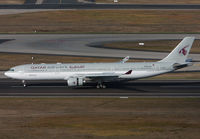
{"type": "Point", "coordinates": [51, 67]}
{"type": "Point", "coordinates": [76, 66]}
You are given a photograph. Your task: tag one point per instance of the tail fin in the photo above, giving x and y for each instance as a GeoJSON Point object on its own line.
{"type": "Point", "coordinates": [180, 53]}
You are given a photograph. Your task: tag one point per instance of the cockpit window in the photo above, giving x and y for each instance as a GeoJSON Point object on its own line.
{"type": "Point", "coordinates": [12, 70]}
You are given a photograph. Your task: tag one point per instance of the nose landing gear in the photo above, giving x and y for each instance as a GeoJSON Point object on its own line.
{"type": "Point", "coordinates": [24, 83]}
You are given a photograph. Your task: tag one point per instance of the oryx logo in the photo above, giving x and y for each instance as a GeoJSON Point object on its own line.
{"type": "Point", "coordinates": [183, 50]}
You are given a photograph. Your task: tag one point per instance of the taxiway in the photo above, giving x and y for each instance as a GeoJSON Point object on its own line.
{"type": "Point", "coordinates": [84, 45]}
{"type": "Point", "coordinates": [81, 44]}
{"type": "Point", "coordinates": [101, 6]}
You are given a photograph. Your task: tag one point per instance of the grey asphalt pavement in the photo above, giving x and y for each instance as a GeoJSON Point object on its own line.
{"type": "Point", "coordinates": [101, 6]}
{"type": "Point", "coordinates": [59, 1]}
{"type": "Point", "coordinates": [79, 45]}
{"type": "Point", "coordinates": [139, 88]}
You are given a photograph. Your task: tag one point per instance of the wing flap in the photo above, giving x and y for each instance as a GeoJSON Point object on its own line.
{"type": "Point", "coordinates": [97, 75]}
{"type": "Point", "coordinates": [103, 76]}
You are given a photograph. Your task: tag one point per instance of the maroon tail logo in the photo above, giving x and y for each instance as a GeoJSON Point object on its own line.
{"type": "Point", "coordinates": [183, 50]}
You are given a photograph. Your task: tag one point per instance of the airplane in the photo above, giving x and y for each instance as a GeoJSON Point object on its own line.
{"type": "Point", "coordinates": [77, 74]}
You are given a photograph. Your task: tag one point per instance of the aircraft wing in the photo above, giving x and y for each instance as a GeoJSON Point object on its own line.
{"type": "Point", "coordinates": [94, 76]}
{"type": "Point", "coordinates": [98, 75]}
{"type": "Point", "coordinates": [103, 76]}
{"type": "Point", "coordinates": [106, 74]}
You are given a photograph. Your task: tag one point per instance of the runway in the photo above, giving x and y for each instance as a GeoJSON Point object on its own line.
{"type": "Point", "coordinates": [101, 6]}
{"type": "Point", "coordinates": [139, 88]}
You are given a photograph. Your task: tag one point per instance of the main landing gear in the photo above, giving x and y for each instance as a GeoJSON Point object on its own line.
{"type": "Point", "coordinates": [100, 85]}
{"type": "Point", "coordinates": [24, 83]}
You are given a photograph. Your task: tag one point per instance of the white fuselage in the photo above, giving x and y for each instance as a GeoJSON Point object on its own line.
{"type": "Point", "coordinates": [65, 71]}
{"type": "Point", "coordinates": [77, 74]}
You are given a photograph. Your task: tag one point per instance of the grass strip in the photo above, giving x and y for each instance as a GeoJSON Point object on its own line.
{"type": "Point", "coordinates": [156, 45]}
{"type": "Point", "coordinates": [6, 59]}
{"type": "Point", "coordinates": [12, 1]}
{"type": "Point", "coordinates": [102, 21]}
{"type": "Point", "coordinates": [100, 118]}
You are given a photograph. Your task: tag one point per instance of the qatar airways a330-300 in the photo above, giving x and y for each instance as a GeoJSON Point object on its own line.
{"type": "Point", "coordinates": [77, 74]}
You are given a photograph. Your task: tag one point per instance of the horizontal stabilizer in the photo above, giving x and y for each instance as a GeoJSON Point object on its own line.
{"type": "Point", "coordinates": [179, 66]}
{"type": "Point", "coordinates": [125, 59]}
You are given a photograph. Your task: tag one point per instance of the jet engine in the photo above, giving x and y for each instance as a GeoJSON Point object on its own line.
{"type": "Point", "coordinates": [75, 81]}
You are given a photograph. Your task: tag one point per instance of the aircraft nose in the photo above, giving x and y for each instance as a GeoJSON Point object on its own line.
{"type": "Point", "coordinates": [6, 73]}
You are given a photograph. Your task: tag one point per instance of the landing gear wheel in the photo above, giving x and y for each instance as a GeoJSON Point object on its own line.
{"type": "Point", "coordinates": [103, 86]}
{"type": "Point", "coordinates": [100, 86]}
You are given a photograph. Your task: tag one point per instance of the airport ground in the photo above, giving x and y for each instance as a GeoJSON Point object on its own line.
{"type": "Point", "coordinates": [102, 21]}
{"type": "Point", "coordinates": [138, 88]}
{"type": "Point", "coordinates": [99, 118]}
{"type": "Point", "coordinates": [150, 1]}
{"type": "Point", "coordinates": [100, 1]}
{"type": "Point", "coordinates": [154, 109]}
{"type": "Point", "coordinates": [68, 47]}
{"type": "Point", "coordinates": [149, 45]}
{"type": "Point", "coordinates": [12, 1]}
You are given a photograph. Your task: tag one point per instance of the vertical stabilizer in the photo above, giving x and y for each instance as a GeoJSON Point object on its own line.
{"type": "Point", "coordinates": [180, 53]}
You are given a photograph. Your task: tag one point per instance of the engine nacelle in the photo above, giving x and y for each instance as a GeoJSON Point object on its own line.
{"type": "Point", "coordinates": [75, 81]}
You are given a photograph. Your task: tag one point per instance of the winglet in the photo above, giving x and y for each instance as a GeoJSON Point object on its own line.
{"type": "Point", "coordinates": [128, 72]}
